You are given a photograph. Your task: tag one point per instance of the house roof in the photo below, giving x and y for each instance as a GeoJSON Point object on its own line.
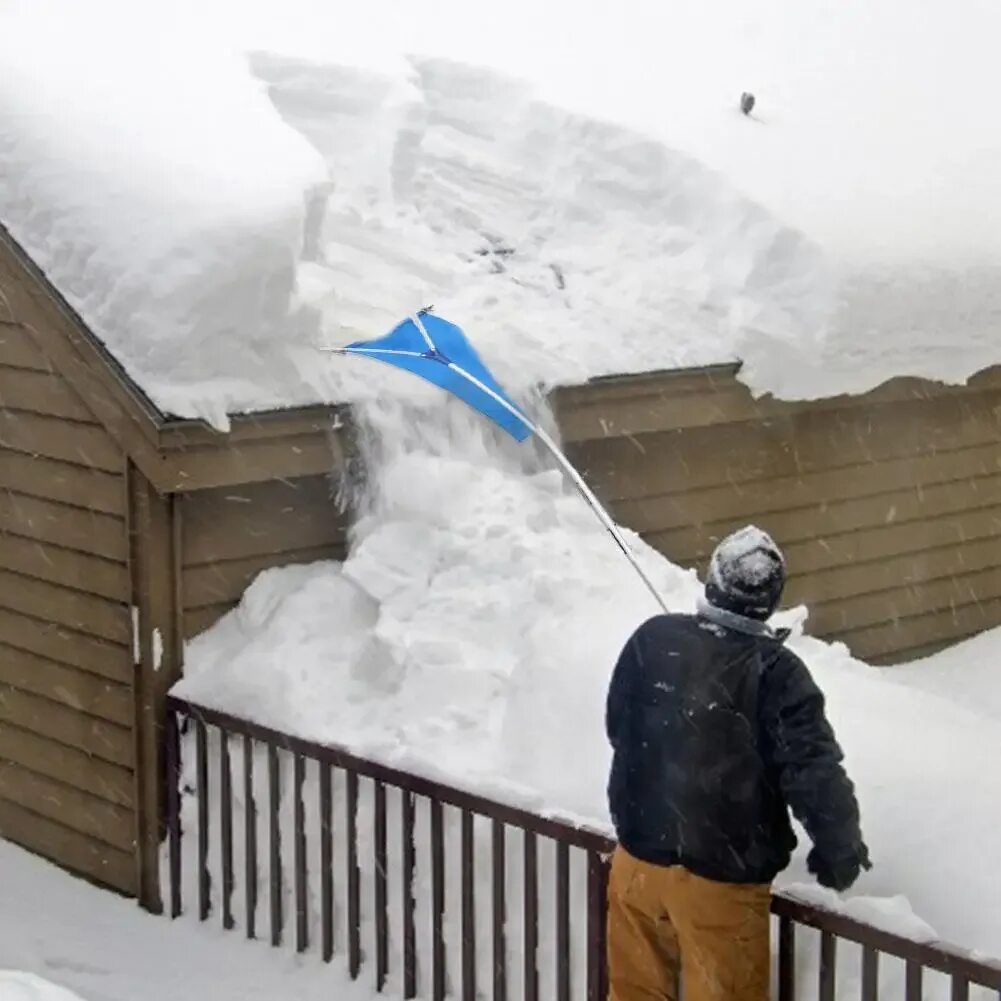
{"type": "Point", "coordinates": [176, 455]}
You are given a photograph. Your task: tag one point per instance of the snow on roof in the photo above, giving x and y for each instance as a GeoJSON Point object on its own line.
{"type": "Point", "coordinates": [226, 195]}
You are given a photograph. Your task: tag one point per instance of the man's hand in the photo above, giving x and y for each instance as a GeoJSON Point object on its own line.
{"type": "Point", "coordinates": [838, 874]}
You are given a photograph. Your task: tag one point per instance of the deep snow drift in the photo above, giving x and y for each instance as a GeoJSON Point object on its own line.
{"type": "Point", "coordinates": [301, 182]}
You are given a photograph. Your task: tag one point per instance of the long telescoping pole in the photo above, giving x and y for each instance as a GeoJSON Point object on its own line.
{"type": "Point", "coordinates": [564, 463]}
{"type": "Point", "coordinates": [567, 466]}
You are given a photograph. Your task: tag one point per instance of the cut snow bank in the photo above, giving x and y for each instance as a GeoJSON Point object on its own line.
{"type": "Point", "coordinates": [219, 218]}
{"type": "Point", "coordinates": [471, 632]}
{"type": "Point", "coordinates": [208, 252]}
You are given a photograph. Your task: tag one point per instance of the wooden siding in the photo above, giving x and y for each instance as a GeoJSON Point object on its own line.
{"type": "Point", "coordinates": [66, 702]}
{"type": "Point", "coordinates": [230, 535]}
{"type": "Point", "coordinates": [888, 505]}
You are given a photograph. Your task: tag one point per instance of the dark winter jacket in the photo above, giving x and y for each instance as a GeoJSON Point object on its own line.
{"type": "Point", "coordinates": [716, 734]}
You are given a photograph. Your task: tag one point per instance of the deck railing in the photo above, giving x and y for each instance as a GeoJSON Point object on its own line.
{"type": "Point", "coordinates": [541, 927]}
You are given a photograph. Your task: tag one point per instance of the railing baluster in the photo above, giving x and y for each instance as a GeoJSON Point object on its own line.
{"type": "Point", "coordinates": [408, 858]}
{"type": "Point", "coordinates": [173, 779]}
{"type": "Point", "coordinates": [499, 879]}
{"type": "Point", "coordinates": [438, 972]}
{"type": "Point", "coordinates": [226, 829]}
{"type": "Point", "coordinates": [468, 865]}
{"type": "Point", "coordinates": [202, 781]}
{"type": "Point", "coordinates": [409, 929]}
{"type": "Point", "coordinates": [597, 888]}
{"type": "Point", "coordinates": [274, 844]}
{"type": "Point", "coordinates": [963, 969]}
{"type": "Point", "coordinates": [787, 959]}
{"type": "Point", "coordinates": [381, 911]}
{"type": "Point", "coordinates": [249, 836]}
{"type": "Point", "coordinates": [531, 914]}
{"type": "Point", "coordinates": [828, 966]}
{"type": "Point", "coordinates": [326, 863]}
{"type": "Point", "coordinates": [562, 921]}
{"type": "Point", "coordinates": [870, 974]}
{"type": "Point", "coordinates": [299, 853]}
{"type": "Point", "coordinates": [354, 876]}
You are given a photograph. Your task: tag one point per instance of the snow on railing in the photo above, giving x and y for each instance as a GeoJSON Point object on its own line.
{"type": "Point", "coordinates": [468, 892]}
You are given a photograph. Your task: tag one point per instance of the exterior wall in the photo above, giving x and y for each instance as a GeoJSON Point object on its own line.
{"type": "Point", "coordinates": [231, 534]}
{"type": "Point", "coordinates": [95, 486]}
{"type": "Point", "coordinates": [67, 757]}
{"type": "Point", "coordinates": [888, 505]}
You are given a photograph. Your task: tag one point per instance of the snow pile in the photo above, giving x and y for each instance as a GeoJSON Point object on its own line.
{"type": "Point", "coordinates": [453, 630]}
{"type": "Point", "coordinates": [966, 674]}
{"type": "Point", "coordinates": [218, 214]}
{"type": "Point", "coordinates": [471, 632]}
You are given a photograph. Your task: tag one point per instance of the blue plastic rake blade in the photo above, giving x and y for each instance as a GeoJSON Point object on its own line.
{"type": "Point", "coordinates": [447, 359]}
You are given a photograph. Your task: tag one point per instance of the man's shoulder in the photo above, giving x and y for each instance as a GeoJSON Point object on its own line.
{"type": "Point", "coordinates": [786, 673]}
{"type": "Point", "coordinates": [665, 623]}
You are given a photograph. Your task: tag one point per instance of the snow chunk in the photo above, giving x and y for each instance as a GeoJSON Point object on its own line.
{"type": "Point", "coordinates": [889, 914]}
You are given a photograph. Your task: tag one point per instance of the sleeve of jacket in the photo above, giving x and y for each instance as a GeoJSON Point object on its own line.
{"type": "Point", "coordinates": [619, 689]}
{"type": "Point", "coordinates": [805, 754]}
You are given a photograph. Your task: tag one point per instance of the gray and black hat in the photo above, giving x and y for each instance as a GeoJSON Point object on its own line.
{"type": "Point", "coordinates": [746, 574]}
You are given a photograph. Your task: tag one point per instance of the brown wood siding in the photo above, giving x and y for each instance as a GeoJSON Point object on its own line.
{"type": "Point", "coordinates": [67, 746]}
{"type": "Point", "coordinates": [206, 467]}
{"type": "Point", "coordinates": [888, 505]}
{"type": "Point", "coordinates": [231, 534]}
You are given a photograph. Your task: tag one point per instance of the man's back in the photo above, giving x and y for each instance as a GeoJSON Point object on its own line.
{"type": "Point", "coordinates": [691, 783]}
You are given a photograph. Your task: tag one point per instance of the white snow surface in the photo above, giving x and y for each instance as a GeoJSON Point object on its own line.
{"type": "Point", "coordinates": [75, 942]}
{"type": "Point", "coordinates": [224, 192]}
{"type": "Point", "coordinates": [18, 986]}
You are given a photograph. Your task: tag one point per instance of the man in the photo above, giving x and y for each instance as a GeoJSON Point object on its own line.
{"type": "Point", "coordinates": [717, 731]}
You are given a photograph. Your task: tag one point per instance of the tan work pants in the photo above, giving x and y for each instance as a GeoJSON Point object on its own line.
{"type": "Point", "coordinates": [665, 921]}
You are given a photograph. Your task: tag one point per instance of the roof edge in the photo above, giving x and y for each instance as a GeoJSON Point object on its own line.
{"type": "Point", "coordinates": [175, 454]}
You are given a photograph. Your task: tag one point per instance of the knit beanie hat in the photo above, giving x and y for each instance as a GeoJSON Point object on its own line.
{"type": "Point", "coordinates": [746, 574]}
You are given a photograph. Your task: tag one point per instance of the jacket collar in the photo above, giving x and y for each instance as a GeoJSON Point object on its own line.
{"type": "Point", "coordinates": [738, 623]}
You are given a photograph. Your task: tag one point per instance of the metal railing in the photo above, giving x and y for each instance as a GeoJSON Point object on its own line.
{"type": "Point", "coordinates": [370, 929]}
